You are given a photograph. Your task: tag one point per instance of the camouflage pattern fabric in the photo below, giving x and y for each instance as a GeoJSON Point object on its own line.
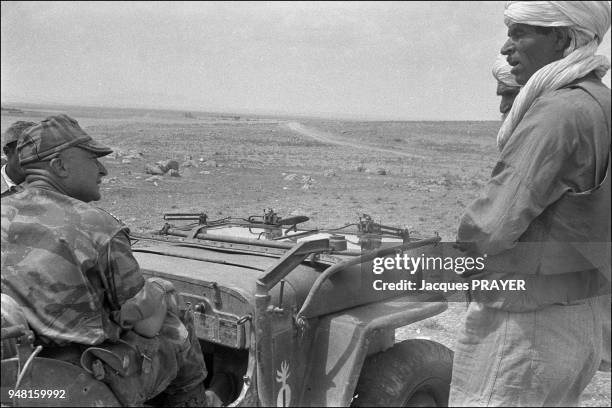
{"type": "Point", "coordinates": [52, 135]}
{"type": "Point", "coordinates": [70, 267]}
{"type": "Point", "coordinates": [11, 315]}
{"type": "Point", "coordinates": [68, 264]}
{"type": "Point", "coordinates": [175, 364]}
{"type": "Point", "coordinates": [188, 351]}
{"type": "Point", "coordinates": [178, 346]}
{"type": "Point", "coordinates": [12, 133]}
{"type": "Point", "coordinates": [146, 310]}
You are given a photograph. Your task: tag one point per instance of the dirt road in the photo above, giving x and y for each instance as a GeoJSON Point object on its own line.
{"type": "Point", "coordinates": [326, 137]}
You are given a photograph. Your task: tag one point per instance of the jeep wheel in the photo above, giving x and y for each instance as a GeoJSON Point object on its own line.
{"type": "Point", "coordinates": [413, 373]}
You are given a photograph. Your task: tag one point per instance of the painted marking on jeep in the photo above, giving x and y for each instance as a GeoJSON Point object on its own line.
{"type": "Point", "coordinates": [284, 394]}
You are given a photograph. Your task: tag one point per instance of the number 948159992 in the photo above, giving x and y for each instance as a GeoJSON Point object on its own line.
{"type": "Point", "coordinates": [37, 394]}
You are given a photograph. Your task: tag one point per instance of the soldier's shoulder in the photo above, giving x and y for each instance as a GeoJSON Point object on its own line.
{"type": "Point", "coordinates": [113, 216]}
{"type": "Point", "coordinates": [92, 217]}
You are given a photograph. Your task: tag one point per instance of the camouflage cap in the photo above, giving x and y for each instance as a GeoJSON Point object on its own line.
{"type": "Point", "coordinates": [15, 130]}
{"type": "Point", "coordinates": [51, 136]}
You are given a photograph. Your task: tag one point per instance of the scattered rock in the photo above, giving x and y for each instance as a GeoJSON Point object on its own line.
{"type": "Point", "coordinates": [153, 169]}
{"type": "Point", "coordinates": [108, 180]}
{"type": "Point", "coordinates": [166, 165]}
{"type": "Point", "coordinates": [210, 163]}
{"type": "Point", "coordinates": [153, 179]}
{"type": "Point", "coordinates": [381, 172]}
{"type": "Point", "coordinates": [443, 181]}
{"type": "Point", "coordinates": [126, 161]}
{"type": "Point", "coordinates": [307, 180]}
{"type": "Point", "coordinates": [189, 163]}
{"type": "Point", "coordinates": [174, 173]}
{"type": "Point", "coordinates": [204, 172]}
{"type": "Point", "coordinates": [329, 173]}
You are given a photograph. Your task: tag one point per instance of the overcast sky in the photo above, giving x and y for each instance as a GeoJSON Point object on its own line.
{"type": "Point", "coordinates": [377, 60]}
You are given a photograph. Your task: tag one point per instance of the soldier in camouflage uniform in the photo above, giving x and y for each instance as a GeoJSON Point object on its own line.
{"type": "Point", "coordinates": [11, 174]}
{"type": "Point", "coordinates": [70, 267]}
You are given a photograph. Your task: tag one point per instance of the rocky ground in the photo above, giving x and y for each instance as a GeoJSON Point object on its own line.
{"type": "Point", "coordinates": [419, 175]}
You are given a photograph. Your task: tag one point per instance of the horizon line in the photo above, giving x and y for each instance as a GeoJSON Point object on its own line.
{"type": "Point", "coordinates": [221, 111]}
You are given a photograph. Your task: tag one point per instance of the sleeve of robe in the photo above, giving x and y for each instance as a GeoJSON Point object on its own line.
{"type": "Point", "coordinates": [547, 155]}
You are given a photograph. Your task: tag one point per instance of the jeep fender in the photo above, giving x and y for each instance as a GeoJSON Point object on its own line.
{"type": "Point", "coordinates": [343, 340]}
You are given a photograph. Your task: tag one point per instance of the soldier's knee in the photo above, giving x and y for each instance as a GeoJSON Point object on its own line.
{"type": "Point", "coordinates": [170, 293]}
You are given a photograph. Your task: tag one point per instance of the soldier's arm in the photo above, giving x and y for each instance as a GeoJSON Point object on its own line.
{"type": "Point", "coordinates": [140, 305]}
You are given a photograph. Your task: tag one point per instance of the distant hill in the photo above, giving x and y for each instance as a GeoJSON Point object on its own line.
{"type": "Point", "coordinates": [11, 111]}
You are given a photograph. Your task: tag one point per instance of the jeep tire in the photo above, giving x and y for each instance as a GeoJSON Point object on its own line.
{"type": "Point", "coordinates": [412, 373]}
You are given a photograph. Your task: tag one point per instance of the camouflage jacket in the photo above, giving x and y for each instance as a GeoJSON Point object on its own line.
{"type": "Point", "coordinates": [68, 264]}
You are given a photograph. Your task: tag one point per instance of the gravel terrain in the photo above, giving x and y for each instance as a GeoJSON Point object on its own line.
{"type": "Point", "coordinates": [419, 175]}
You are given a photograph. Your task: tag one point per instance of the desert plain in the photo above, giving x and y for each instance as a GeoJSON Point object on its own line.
{"type": "Point", "coordinates": [416, 175]}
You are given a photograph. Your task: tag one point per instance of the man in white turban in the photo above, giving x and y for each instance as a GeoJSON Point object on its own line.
{"type": "Point", "coordinates": [507, 87]}
{"type": "Point", "coordinates": [543, 217]}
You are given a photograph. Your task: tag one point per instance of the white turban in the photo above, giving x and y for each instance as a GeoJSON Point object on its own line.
{"type": "Point", "coordinates": [588, 22]}
{"type": "Point", "coordinates": [592, 17]}
{"type": "Point", "coordinates": [501, 72]}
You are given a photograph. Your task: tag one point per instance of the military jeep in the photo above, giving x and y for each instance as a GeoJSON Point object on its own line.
{"type": "Point", "coordinates": [289, 314]}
